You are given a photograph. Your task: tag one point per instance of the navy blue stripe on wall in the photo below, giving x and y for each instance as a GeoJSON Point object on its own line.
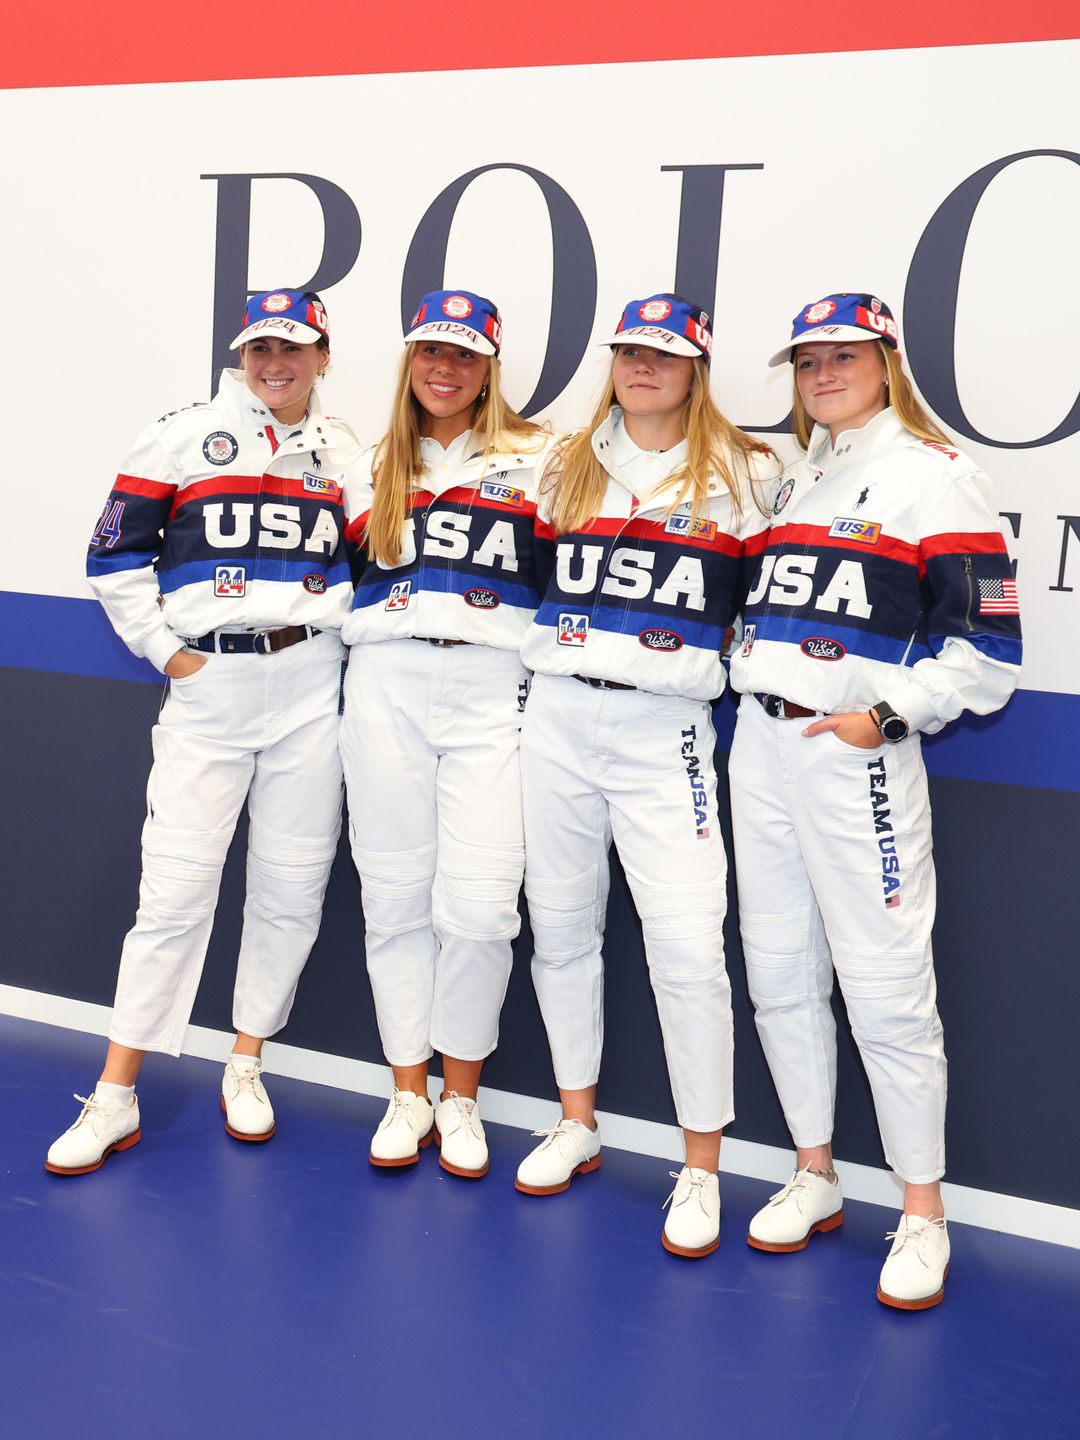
{"type": "Point", "coordinates": [1030, 743]}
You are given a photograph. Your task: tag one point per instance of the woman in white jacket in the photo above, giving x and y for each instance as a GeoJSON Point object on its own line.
{"type": "Point", "coordinates": [220, 557]}
{"type": "Point", "coordinates": [659, 511]}
{"type": "Point", "coordinates": [885, 606]}
{"type": "Point", "coordinates": [444, 513]}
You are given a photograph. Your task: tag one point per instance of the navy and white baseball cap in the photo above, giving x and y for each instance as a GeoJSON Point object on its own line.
{"type": "Point", "coordinates": [293, 314]}
{"type": "Point", "coordinates": [458, 317]}
{"type": "Point", "coordinates": [665, 322]}
{"type": "Point", "coordinates": [840, 317]}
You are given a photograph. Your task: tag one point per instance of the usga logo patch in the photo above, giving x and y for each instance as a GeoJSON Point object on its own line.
{"type": "Point", "coordinates": [573, 629]}
{"type": "Point", "coordinates": [481, 599]}
{"type": "Point", "coordinates": [399, 595]}
{"type": "Point", "coordinates": [818, 647]}
{"type": "Point", "coordinates": [504, 494]}
{"type": "Point", "coordinates": [660, 640]}
{"type": "Point", "coordinates": [867, 532]}
{"type": "Point", "coordinates": [220, 448]}
{"type": "Point", "coordinates": [314, 584]}
{"type": "Point", "coordinates": [230, 581]}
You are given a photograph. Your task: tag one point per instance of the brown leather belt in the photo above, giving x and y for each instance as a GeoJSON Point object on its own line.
{"type": "Point", "coordinates": [263, 642]}
{"type": "Point", "coordinates": [604, 684]}
{"type": "Point", "coordinates": [781, 709]}
{"type": "Point", "coordinates": [443, 644]}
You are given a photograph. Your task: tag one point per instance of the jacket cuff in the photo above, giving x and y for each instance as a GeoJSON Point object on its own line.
{"type": "Point", "coordinates": [915, 703]}
{"type": "Point", "coordinates": [161, 647]}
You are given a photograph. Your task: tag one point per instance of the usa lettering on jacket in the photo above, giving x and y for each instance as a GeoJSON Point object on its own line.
{"type": "Point", "coordinates": [474, 555]}
{"type": "Point", "coordinates": [885, 576]}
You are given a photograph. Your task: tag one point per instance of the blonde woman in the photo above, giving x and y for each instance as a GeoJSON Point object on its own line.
{"type": "Point", "coordinates": [444, 511]}
{"type": "Point", "coordinates": [885, 607]}
{"type": "Point", "coordinates": [659, 513]}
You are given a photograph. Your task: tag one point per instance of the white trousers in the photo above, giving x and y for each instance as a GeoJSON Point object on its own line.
{"type": "Point", "coordinates": [430, 740]}
{"type": "Point", "coordinates": [833, 854]}
{"type": "Point", "coordinates": [598, 764]}
{"type": "Point", "coordinates": [260, 727]}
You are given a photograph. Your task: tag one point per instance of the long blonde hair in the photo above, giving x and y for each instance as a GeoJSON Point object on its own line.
{"type": "Point", "coordinates": [398, 465]}
{"type": "Point", "coordinates": [575, 481]}
{"type": "Point", "coordinates": [909, 408]}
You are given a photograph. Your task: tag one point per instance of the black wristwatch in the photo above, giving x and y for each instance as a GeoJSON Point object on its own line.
{"type": "Point", "coordinates": [893, 727]}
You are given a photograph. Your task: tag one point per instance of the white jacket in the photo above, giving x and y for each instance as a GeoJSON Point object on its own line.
{"type": "Point", "coordinates": [885, 577]}
{"type": "Point", "coordinates": [224, 519]}
{"type": "Point", "coordinates": [473, 562]}
{"type": "Point", "coordinates": [639, 595]}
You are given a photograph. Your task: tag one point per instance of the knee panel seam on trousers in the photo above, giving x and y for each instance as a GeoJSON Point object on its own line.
{"type": "Point", "coordinates": [566, 916]}
{"type": "Point", "coordinates": [176, 888]}
{"type": "Point", "coordinates": [284, 890]}
{"type": "Point", "coordinates": [690, 949]}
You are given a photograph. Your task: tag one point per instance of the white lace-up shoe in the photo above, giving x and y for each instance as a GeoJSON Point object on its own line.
{"type": "Point", "coordinates": [407, 1128]}
{"type": "Point", "coordinates": [692, 1228]}
{"type": "Point", "coordinates": [99, 1130]}
{"type": "Point", "coordinates": [808, 1204]}
{"type": "Point", "coordinates": [914, 1274]}
{"type": "Point", "coordinates": [248, 1112]}
{"type": "Point", "coordinates": [460, 1135]}
{"type": "Point", "coordinates": [568, 1150]}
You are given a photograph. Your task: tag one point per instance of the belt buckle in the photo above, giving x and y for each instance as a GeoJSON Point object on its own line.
{"type": "Point", "coordinates": [774, 705]}
{"type": "Point", "coordinates": [260, 643]}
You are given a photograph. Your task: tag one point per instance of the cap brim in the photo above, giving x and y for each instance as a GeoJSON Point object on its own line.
{"type": "Point", "coordinates": [823, 335]}
{"type": "Point", "coordinates": [653, 337]}
{"type": "Point", "coordinates": [287, 329]}
{"type": "Point", "coordinates": [453, 332]}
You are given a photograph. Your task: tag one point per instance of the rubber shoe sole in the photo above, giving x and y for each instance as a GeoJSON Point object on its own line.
{"type": "Point", "coordinates": [927, 1303]}
{"type": "Point", "coordinates": [584, 1168]}
{"type": "Point", "coordinates": [685, 1254]}
{"type": "Point", "coordinates": [125, 1144]}
{"type": "Point", "coordinates": [457, 1169]}
{"type": "Point", "coordinates": [421, 1144]}
{"type": "Point", "coordinates": [243, 1135]}
{"type": "Point", "coordinates": [819, 1227]}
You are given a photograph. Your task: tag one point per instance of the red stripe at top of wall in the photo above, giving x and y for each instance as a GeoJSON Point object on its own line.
{"type": "Point", "coordinates": [130, 41]}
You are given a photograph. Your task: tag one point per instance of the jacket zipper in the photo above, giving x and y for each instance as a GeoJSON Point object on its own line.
{"type": "Point", "coordinates": [970, 593]}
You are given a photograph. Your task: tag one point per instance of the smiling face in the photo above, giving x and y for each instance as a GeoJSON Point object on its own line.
{"type": "Point", "coordinates": [841, 386]}
{"type": "Point", "coordinates": [649, 382]}
{"type": "Point", "coordinates": [281, 373]}
{"type": "Point", "coordinates": [446, 382]}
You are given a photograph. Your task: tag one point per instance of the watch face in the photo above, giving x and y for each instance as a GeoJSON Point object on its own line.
{"type": "Point", "coordinates": [894, 728]}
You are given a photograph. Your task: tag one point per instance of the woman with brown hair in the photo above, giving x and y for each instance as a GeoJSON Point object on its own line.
{"type": "Point", "coordinates": [885, 607]}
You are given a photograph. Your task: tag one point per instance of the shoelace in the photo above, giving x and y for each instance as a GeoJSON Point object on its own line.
{"type": "Point", "coordinates": [399, 1111]}
{"type": "Point", "coordinates": [247, 1079]}
{"type": "Point", "coordinates": [915, 1238]}
{"type": "Point", "coordinates": [697, 1188]}
{"type": "Point", "coordinates": [564, 1130]}
{"type": "Point", "coordinates": [93, 1110]}
{"type": "Point", "coordinates": [466, 1109]}
{"type": "Point", "coordinates": [798, 1187]}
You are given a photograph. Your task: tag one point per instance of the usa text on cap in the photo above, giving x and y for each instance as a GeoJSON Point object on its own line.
{"type": "Point", "coordinates": [665, 322]}
{"type": "Point", "coordinates": [458, 317]}
{"type": "Point", "coordinates": [836, 318]}
{"type": "Point", "coordinates": [295, 314]}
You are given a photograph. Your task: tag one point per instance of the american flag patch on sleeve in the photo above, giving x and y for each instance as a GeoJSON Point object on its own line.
{"type": "Point", "coordinates": [998, 597]}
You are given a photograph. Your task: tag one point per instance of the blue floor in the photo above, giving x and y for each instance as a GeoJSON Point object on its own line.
{"type": "Point", "coordinates": [200, 1287]}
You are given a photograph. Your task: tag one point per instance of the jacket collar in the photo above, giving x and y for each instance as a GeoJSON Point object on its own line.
{"type": "Point", "coordinates": [854, 447]}
{"type": "Point", "coordinates": [603, 443]}
{"type": "Point", "coordinates": [314, 432]}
